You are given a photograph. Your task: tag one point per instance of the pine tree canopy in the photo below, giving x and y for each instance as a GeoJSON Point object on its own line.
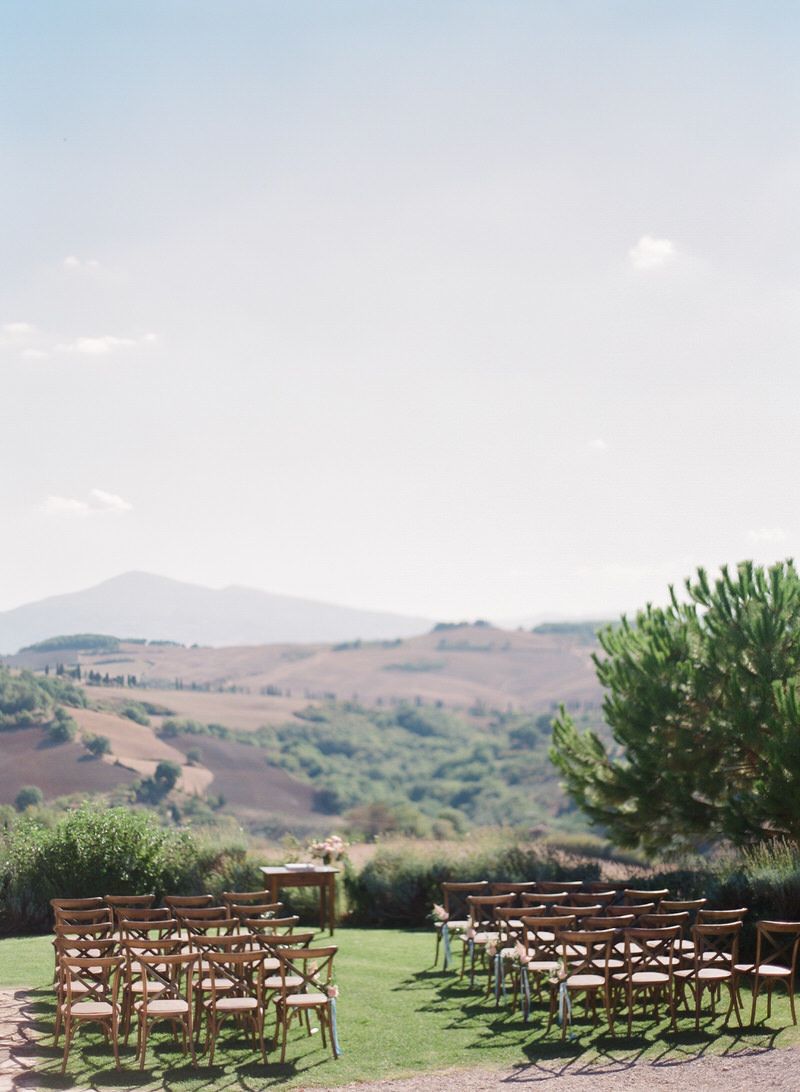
{"type": "Point", "coordinates": [701, 699]}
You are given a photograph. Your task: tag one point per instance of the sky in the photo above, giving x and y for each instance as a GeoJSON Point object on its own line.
{"type": "Point", "coordinates": [459, 309]}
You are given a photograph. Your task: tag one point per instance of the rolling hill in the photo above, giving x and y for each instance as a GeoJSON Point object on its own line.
{"type": "Point", "coordinates": [142, 605]}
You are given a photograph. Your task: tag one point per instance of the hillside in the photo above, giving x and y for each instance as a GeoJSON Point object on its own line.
{"type": "Point", "coordinates": [146, 606]}
{"type": "Point", "coordinates": [453, 722]}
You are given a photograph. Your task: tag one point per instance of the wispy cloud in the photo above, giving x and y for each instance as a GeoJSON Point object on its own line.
{"type": "Point", "coordinates": [18, 329]}
{"type": "Point", "coordinates": [767, 534]}
{"type": "Point", "coordinates": [598, 444]}
{"type": "Point", "coordinates": [103, 344]}
{"type": "Point", "coordinates": [81, 265]}
{"type": "Point", "coordinates": [650, 253]}
{"type": "Point", "coordinates": [98, 502]}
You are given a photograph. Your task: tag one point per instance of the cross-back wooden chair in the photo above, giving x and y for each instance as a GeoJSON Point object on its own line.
{"type": "Point", "coordinates": [93, 902]}
{"type": "Point", "coordinates": [173, 974]}
{"type": "Point", "coordinates": [236, 980]}
{"type": "Point", "coordinates": [136, 980]}
{"type": "Point", "coordinates": [544, 898]}
{"type": "Point", "coordinates": [684, 906]}
{"type": "Point", "coordinates": [316, 994]}
{"type": "Point", "coordinates": [715, 951]}
{"type": "Point", "coordinates": [270, 925]}
{"type": "Point", "coordinates": [721, 917]}
{"type": "Point", "coordinates": [777, 944]}
{"type": "Point", "coordinates": [71, 948]}
{"type": "Point", "coordinates": [638, 910]}
{"type": "Point", "coordinates": [103, 931]}
{"type": "Point", "coordinates": [91, 995]}
{"type": "Point", "coordinates": [243, 898]}
{"type": "Point", "coordinates": [99, 915]}
{"type": "Point", "coordinates": [588, 974]}
{"type": "Point", "coordinates": [120, 904]}
{"type": "Point", "coordinates": [202, 924]}
{"type": "Point", "coordinates": [651, 957]}
{"type": "Point", "coordinates": [214, 944]}
{"type": "Point", "coordinates": [542, 943]}
{"type": "Point", "coordinates": [454, 904]}
{"type": "Point", "coordinates": [248, 911]}
{"type": "Point", "coordinates": [512, 888]}
{"type": "Point", "coordinates": [482, 930]}
{"type": "Point", "coordinates": [555, 887]}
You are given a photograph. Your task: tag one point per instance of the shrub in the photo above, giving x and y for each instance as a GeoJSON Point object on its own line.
{"type": "Point", "coordinates": [91, 852]}
{"type": "Point", "coordinates": [97, 745]}
{"type": "Point", "coordinates": [29, 796]}
{"type": "Point", "coordinates": [136, 712]}
{"type": "Point", "coordinates": [62, 728]}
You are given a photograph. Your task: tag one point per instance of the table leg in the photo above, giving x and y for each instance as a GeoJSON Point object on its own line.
{"type": "Point", "coordinates": [322, 907]}
{"type": "Point", "coordinates": [332, 902]}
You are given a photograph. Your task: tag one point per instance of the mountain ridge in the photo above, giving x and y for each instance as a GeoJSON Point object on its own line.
{"type": "Point", "coordinates": [147, 605]}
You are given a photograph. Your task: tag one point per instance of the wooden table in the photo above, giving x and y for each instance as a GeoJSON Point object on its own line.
{"type": "Point", "coordinates": [321, 876]}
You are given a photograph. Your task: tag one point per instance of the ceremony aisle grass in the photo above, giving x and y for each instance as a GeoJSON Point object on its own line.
{"type": "Point", "coordinates": [396, 1016]}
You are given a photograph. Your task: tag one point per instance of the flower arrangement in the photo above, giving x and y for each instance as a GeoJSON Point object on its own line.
{"type": "Point", "coordinates": [439, 913]}
{"type": "Point", "coordinates": [330, 850]}
{"type": "Point", "coordinates": [520, 954]}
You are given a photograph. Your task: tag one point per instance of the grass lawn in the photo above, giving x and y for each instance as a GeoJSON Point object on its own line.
{"type": "Point", "coordinates": [396, 1016]}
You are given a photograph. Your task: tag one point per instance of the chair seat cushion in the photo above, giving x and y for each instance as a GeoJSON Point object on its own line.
{"type": "Point", "coordinates": [148, 986]}
{"type": "Point", "coordinates": [292, 981]}
{"type": "Point", "coordinates": [219, 983]}
{"type": "Point", "coordinates": [89, 1008]}
{"type": "Point", "coordinates": [236, 1004]}
{"type": "Point", "coordinates": [767, 970]}
{"type": "Point", "coordinates": [169, 1006]}
{"type": "Point", "coordinates": [584, 981]}
{"type": "Point", "coordinates": [713, 974]}
{"type": "Point", "coordinates": [649, 978]}
{"type": "Point", "coordinates": [543, 965]}
{"type": "Point", "coordinates": [307, 1000]}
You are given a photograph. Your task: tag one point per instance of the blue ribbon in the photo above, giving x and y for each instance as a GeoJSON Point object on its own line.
{"type": "Point", "coordinates": [564, 1003]}
{"type": "Point", "coordinates": [446, 943]}
{"type": "Point", "coordinates": [499, 978]}
{"type": "Point", "coordinates": [471, 950]}
{"type": "Point", "coordinates": [334, 1036]}
{"type": "Point", "coordinates": [526, 992]}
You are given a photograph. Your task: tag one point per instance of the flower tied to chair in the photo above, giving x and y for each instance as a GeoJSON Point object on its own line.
{"type": "Point", "coordinates": [442, 916]}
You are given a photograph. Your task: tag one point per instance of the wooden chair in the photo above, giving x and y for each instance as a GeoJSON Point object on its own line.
{"type": "Point", "coordinates": [248, 911]}
{"type": "Point", "coordinates": [454, 904]}
{"type": "Point", "coordinates": [93, 903]}
{"type": "Point", "coordinates": [684, 906]}
{"type": "Point", "coordinates": [203, 946]}
{"type": "Point", "coordinates": [242, 996]}
{"type": "Point", "coordinates": [544, 898]}
{"type": "Point", "coordinates": [589, 974]}
{"type": "Point", "coordinates": [240, 898]}
{"type": "Point", "coordinates": [632, 896]}
{"type": "Point", "coordinates": [315, 967]}
{"type": "Point", "coordinates": [590, 898]}
{"type": "Point", "coordinates": [148, 925]}
{"type": "Point", "coordinates": [270, 925]}
{"type": "Point", "coordinates": [71, 948]}
{"type": "Point", "coordinates": [137, 981]}
{"type": "Point", "coordinates": [482, 928]}
{"type": "Point", "coordinates": [512, 888]}
{"type": "Point", "coordinates": [199, 922]}
{"type": "Point", "coordinates": [173, 974]}
{"type": "Point", "coordinates": [650, 958]}
{"type": "Point", "coordinates": [638, 910]}
{"type": "Point", "coordinates": [715, 951]}
{"type": "Point", "coordinates": [721, 917]}
{"type": "Point", "coordinates": [120, 904]}
{"type": "Point", "coordinates": [541, 940]}
{"type": "Point", "coordinates": [100, 915]}
{"type": "Point", "coordinates": [777, 943]}
{"type": "Point", "coordinates": [555, 887]}
{"type": "Point", "coordinates": [100, 932]}
{"type": "Point", "coordinates": [91, 995]}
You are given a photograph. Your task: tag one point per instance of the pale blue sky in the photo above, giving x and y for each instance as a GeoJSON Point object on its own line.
{"type": "Point", "coordinates": [453, 308]}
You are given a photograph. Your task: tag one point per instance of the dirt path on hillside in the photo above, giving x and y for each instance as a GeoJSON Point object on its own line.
{"type": "Point", "coordinates": [740, 1072]}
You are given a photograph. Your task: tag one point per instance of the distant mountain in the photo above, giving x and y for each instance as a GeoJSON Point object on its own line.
{"type": "Point", "coordinates": [142, 605]}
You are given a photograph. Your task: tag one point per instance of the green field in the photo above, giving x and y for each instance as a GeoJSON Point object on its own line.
{"type": "Point", "coordinates": [396, 1016]}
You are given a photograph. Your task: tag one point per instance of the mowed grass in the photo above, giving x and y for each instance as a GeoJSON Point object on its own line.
{"type": "Point", "coordinates": [397, 1015]}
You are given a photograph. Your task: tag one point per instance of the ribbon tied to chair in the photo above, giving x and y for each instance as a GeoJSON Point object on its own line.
{"type": "Point", "coordinates": [446, 944]}
{"type": "Point", "coordinates": [564, 1003]}
{"type": "Point", "coordinates": [499, 978]}
{"type": "Point", "coordinates": [526, 991]}
{"type": "Point", "coordinates": [334, 1033]}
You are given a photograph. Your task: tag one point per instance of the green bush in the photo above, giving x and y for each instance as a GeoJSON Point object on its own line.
{"type": "Point", "coordinates": [62, 728]}
{"type": "Point", "coordinates": [398, 887]}
{"type": "Point", "coordinates": [97, 745]}
{"type": "Point", "coordinates": [136, 712]}
{"type": "Point", "coordinates": [91, 852]}
{"type": "Point", "coordinates": [29, 796]}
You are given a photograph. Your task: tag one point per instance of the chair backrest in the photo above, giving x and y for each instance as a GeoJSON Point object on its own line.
{"type": "Point", "coordinates": [253, 909]}
{"type": "Point", "coordinates": [156, 929]}
{"type": "Point", "coordinates": [92, 903]}
{"type": "Point", "coordinates": [100, 915]}
{"type": "Point", "coordinates": [313, 965]}
{"type": "Point", "coordinates": [481, 908]}
{"type": "Point", "coordinates": [665, 921]}
{"type": "Point", "coordinates": [171, 970]}
{"type": "Point", "coordinates": [454, 896]}
{"type": "Point", "coordinates": [200, 913]}
{"type": "Point", "coordinates": [97, 976]}
{"type": "Point", "coordinates": [271, 925]}
{"type": "Point", "coordinates": [632, 895]}
{"type": "Point", "coordinates": [554, 887]}
{"type": "Point", "coordinates": [617, 886]}
{"type": "Point", "coordinates": [652, 949]}
{"type": "Point", "coordinates": [716, 945]}
{"type": "Point", "coordinates": [587, 951]}
{"type": "Point", "coordinates": [244, 968]}
{"type": "Point", "coordinates": [777, 943]}
{"type": "Point", "coordinates": [544, 898]}
{"type": "Point", "coordinates": [616, 921]}
{"type": "Point", "coordinates": [84, 932]}
{"type": "Point", "coordinates": [590, 898]}
{"type": "Point", "coordinates": [240, 897]}
{"type": "Point", "coordinates": [205, 927]}
{"type": "Point", "coordinates": [679, 906]}
{"type": "Point", "coordinates": [541, 936]}
{"type": "Point", "coordinates": [577, 912]}
{"type": "Point", "coordinates": [184, 902]}
{"type": "Point", "coordinates": [82, 947]}
{"type": "Point", "coordinates": [512, 888]}
{"type": "Point", "coordinates": [638, 910]}
{"type": "Point", "coordinates": [145, 913]}
{"type": "Point", "coordinates": [136, 950]}
{"type": "Point", "coordinates": [270, 941]}
{"type": "Point", "coordinates": [220, 944]}
{"type": "Point", "coordinates": [117, 903]}
{"type": "Point", "coordinates": [721, 917]}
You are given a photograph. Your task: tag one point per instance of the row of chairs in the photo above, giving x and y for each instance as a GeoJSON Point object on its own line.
{"type": "Point", "coordinates": [121, 958]}
{"type": "Point", "coordinates": [612, 945]}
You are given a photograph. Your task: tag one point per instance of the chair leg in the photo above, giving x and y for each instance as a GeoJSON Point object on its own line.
{"type": "Point", "coordinates": [284, 1033]}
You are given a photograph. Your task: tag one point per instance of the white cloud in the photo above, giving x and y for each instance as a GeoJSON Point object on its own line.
{"type": "Point", "coordinates": [96, 346]}
{"type": "Point", "coordinates": [650, 253]}
{"type": "Point", "coordinates": [99, 502]}
{"type": "Point", "coordinates": [109, 502]}
{"type": "Point", "coordinates": [81, 264]}
{"type": "Point", "coordinates": [767, 534]}
{"type": "Point", "coordinates": [18, 329]}
{"type": "Point", "coordinates": [35, 354]}
{"type": "Point", "coordinates": [598, 444]}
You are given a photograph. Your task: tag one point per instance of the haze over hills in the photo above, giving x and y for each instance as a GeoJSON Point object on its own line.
{"type": "Point", "coordinates": [143, 605]}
